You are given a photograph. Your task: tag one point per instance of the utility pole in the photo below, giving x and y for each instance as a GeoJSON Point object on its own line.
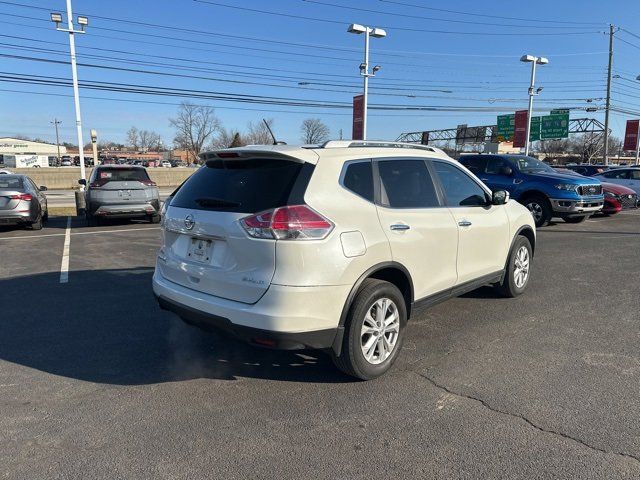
{"type": "Point", "coordinates": [83, 22]}
{"type": "Point", "coordinates": [57, 122]}
{"type": "Point", "coordinates": [605, 156]}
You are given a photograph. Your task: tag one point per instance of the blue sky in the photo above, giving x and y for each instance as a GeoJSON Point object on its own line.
{"type": "Point", "coordinates": [236, 50]}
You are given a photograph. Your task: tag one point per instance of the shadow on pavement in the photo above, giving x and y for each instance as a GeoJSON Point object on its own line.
{"type": "Point", "coordinates": [105, 326]}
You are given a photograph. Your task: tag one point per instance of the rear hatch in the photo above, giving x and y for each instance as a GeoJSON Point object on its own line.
{"type": "Point", "coordinates": [119, 185]}
{"type": "Point", "coordinates": [205, 246]}
{"type": "Point", "coordinates": [10, 190]}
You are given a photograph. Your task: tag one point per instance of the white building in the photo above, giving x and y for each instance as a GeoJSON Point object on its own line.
{"type": "Point", "coordinates": [15, 146]}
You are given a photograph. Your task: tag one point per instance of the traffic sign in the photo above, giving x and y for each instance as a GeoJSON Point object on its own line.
{"type": "Point", "coordinates": [555, 125]}
{"type": "Point", "coordinates": [520, 127]}
{"type": "Point", "coordinates": [534, 133]}
{"type": "Point", "coordinates": [506, 127]}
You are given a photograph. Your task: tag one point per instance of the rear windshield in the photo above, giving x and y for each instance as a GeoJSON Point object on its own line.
{"type": "Point", "coordinates": [122, 174]}
{"type": "Point", "coordinates": [243, 186]}
{"type": "Point", "coordinates": [10, 183]}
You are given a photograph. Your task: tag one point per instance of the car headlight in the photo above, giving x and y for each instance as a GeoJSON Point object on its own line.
{"type": "Point", "coordinates": [566, 186]}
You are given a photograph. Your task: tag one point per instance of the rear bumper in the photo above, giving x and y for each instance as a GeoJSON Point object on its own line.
{"type": "Point", "coordinates": [138, 209]}
{"type": "Point", "coordinates": [285, 317]}
{"type": "Point", "coordinates": [567, 207]}
{"type": "Point", "coordinates": [15, 218]}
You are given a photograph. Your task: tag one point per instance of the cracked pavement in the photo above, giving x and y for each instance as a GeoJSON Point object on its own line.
{"type": "Point", "coordinates": [97, 382]}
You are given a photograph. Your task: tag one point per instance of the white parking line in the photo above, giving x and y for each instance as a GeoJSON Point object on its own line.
{"type": "Point", "coordinates": [22, 237]}
{"type": "Point", "coordinates": [64, 266]}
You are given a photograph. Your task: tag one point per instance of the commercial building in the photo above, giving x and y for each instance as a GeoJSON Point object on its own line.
{"type": "Point", "coordinates": [15, 146]}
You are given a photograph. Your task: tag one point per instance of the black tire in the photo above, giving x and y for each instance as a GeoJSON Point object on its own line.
{"type": "Point", "coordinates": [45, 216]}
{"type": "Point", "coordinates": [92, 221]}
{"type": "Point", "coordinates": [352, 360]}
{"type": "Point", "coordinates": [154, 218]}
{"type": "Point", "coordinates": [576, 219]}
{"type": "Point", "coordinates": [540, 208]}
{"type": "Point", "coordinates": [37, 225]}
{"type": "Point", "coordinates": [509, 287]}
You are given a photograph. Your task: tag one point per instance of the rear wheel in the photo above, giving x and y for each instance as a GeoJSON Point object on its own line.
{"type": "Point", "coordinates": [374, 330]}
{"type": "Point", "coordinates": [154, 218]}
{"type": "Point", "coordinates": [540, 208]}
{"type": "Point", "coordinates": [516, 277]}
{"type": "Point", "coordinates": [37, 225]}
{"type": "Point", "coordinates": [576, 219]}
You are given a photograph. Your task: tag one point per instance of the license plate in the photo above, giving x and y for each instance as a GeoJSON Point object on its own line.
{"type": "Point", "coordinates": [200, 250]}
{"type": "Point", "coordinates": [124, 193]}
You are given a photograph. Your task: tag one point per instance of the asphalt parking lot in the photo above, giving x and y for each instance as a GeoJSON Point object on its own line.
{"type": "Point", "coordinates": [97, 382]}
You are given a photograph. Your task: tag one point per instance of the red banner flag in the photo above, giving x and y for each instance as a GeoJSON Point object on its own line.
{"type": "Point", "coordinates": [357, 131]}
{"type": "Point", "coordinates": [631, 135]}
{"type": "Point", "coordinates": [520, 133]}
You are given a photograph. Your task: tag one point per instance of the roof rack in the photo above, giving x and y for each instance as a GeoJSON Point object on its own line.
{"type": "Point", "coordinates": [374, 143]}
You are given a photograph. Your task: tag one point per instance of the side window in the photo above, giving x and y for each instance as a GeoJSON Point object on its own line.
{"type": "Point", "coordinates": [459, 188]}
{"type": "Point", "coordinates": [495, 164]}
{"type": "Point", "coordinates": [619, 174]}
{"type": "Point", "coordinates": [635, 174]}
{"type": "Point", "coordinates": [406, 184]}
{"type": "Point", "coordinates": [475, 163]}
{"type": "Point", "coordinates": [358, 178]}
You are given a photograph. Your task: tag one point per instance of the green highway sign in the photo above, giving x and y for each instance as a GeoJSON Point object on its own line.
{"type": "Point", "coordinates": [534, 133]}
{"type": "Point", "coordinates": [560, 111]}
{"type": "Point", "coordinates": [506, 128]}
{"type": "Point", "coordinates": [555, 125]}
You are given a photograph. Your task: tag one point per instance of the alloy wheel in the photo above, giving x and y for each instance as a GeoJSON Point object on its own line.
{"type": "Point", "coordinates": [380, 331]}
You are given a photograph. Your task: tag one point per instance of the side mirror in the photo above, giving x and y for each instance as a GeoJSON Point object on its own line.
{"type": "Point", "coordinates": [82, 181]}
{"type": "Point", "coordinates": [42, 188]}
{"type": "Point", "coordinates": [506, 170]}
{"type": "Point", "coordinates": [500, 197]}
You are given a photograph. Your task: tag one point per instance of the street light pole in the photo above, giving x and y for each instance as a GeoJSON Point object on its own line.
{"type": "Point", "coordinates": [57, 122]}
{"type": "Point", "coordinates": [534, 61]}
{"type": "Point", "coordinates": [364, 66]}
{"type": "Point", "coordinates": [83, 22]}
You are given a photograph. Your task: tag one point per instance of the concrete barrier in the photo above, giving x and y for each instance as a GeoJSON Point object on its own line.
{"type": "Point", "coordinates": [64, 178]}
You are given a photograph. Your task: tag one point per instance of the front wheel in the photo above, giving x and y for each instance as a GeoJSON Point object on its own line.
{"type": "Point", "coordinates": [516, 277]}
{"type": "Point", "coordinates": [576, 219]}
{"type": "Point", "coordinates": [374, 330]}
{"type": "Point", "coordinates": [540, 208]}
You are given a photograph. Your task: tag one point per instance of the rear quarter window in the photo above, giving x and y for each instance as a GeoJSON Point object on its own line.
{"type": "Point", "coordinates": [244, 186]}
{"type": "Point", "coordinates": [358, 178]}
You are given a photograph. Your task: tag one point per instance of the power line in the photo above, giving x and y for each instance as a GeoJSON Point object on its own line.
{"type": "Point", "coordinates": [422, 17]}
{"type": "Point", "coordinates": [393, 27]}
{"type": "Point", "coordinates": [457, 12]}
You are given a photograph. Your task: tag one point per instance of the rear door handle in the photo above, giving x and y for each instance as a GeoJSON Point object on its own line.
{"type": "Point", "coordinates": [399, 227]}
{"type": "Point", "coordinates": [465, 223]}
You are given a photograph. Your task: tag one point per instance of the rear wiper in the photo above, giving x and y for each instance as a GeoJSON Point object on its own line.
{"type": "Point", "coordinates": [211, 202]}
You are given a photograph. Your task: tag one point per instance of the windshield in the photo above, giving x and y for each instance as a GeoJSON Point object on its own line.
{"type": "Point", "coordinates": [531, 165]}
{"type": "Point", "coordinates": [122, 175]}
{"type": "Point", "coordinates": [10, 183]}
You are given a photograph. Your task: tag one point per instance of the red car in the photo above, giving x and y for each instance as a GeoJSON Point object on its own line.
{"type": "Point", "coordinates": [617, 198]}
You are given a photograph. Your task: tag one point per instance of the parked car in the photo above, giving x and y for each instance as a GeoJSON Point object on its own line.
{"type": "Point", "coordinates": [22, 202]}
{"type": "Point", "coordinates": [627, 177]}
{"type": "Point", "coordinates": [65, 162]}
{"type": "Point", "coordinates": [167, 164]}
{"type": "Point", "coordinates": [116, 191]}
{"type": "Point", "coordinates": [587, 170]}
{"type": "Point", "coordinates": [5, 172]}
{"type": "Point", "coordinates": [544, 191]}
{"type": "Point", "coordinates": [618, 198]}
{"type": "Point", "coordinates": [334, 247]}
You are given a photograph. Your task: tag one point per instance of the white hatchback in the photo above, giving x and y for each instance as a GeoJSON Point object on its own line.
{"type": "Point", "coordinates": [333, 247]}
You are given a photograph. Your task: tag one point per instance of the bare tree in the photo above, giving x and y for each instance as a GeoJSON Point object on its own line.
{"type": "Point", "coordinates": [133, 138]}
{"type": "Point", "coordinates": [258, 133]}
{"type": "Point", "coordinates": [149, 140]}
{"type": "Point", "coordinates": [228, 138]}
{"type": "Point", "coordinates": [194, 126]}
{"type": "Point", "coordinates": [314, 131]}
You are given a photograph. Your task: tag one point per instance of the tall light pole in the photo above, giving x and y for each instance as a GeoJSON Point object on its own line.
{"type": "Point", "coordinates": [364, 66]}
{"type": "Point", "coordinates": [57, 122]}
{"type": "Point", "coordinates": [532, 92]}
{"type": "Point", "coordinates": [83, 22]}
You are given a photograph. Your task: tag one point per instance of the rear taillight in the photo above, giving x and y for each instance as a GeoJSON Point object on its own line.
{"type": "Point", "coordinates": [297, 222]}
{"type": "Point", "coordinates": [22, 196]}
{"type": "Point", "coordinates": [99, 183]}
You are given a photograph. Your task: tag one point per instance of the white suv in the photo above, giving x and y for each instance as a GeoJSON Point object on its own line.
{"type": "Point", "coordinates": [333, 247]}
